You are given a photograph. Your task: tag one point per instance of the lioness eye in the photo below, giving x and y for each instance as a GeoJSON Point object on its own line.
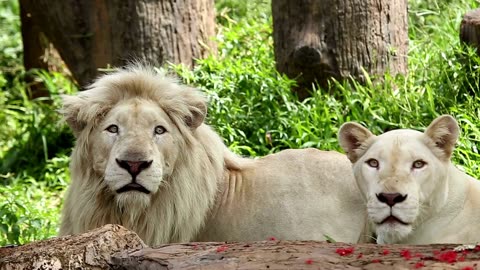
{"type": "Point", "coordinates": [112, 129]}
{"type": "Point", "coordinates": [372, 163]}
{"type": "Point", "coordinates": [160, 130]}
{"type": "Point", "coordinates": [418, 164]}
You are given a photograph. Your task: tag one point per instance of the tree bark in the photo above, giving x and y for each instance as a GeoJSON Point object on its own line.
{"type": "Point", "coordinates": [316, 40]}
{"type": "Point", "coordinates": [296, 255]}
{"type": "Point", "coordinates": [470, 29]}
{"type": "Point", "coordinates": [114, 247]}
{"type": "Point", "coordinates": [35, 47]}
{"type": "Point", "coordinates": [91, 250]}
{"type": "Point", "coordinates": [90, 35]}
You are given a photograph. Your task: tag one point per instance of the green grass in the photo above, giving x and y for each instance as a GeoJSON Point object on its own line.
{"type": "Point", "coordinates": [251, 105]}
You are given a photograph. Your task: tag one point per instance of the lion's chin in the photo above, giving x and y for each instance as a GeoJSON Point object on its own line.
{"type": "Point", "coordinates": [132, 201]}
{"type": "Point", "coordinates": [392, 232]}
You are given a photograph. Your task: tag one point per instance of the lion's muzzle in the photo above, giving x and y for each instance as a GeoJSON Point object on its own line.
{"type": "Point", "coordinates": [134, 168]}
{"type": "Point", "coordinates": [133, 187]}
{"type": "Point", "coordinates": [391, 198]}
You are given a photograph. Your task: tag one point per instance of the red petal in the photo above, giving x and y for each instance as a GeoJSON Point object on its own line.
{"type": "Point", "coordinates": [419, 265]}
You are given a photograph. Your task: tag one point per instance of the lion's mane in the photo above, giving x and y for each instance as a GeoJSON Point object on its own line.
{"type": "Point", "coordinates": [179, 208]}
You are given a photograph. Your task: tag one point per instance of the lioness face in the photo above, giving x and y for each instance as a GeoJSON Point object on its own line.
{"type": "Point", "coordinates": [400, 173]}
{"type": "Point", "coordinates": [134, 149]}
{"type": "Point", "coordinates": [397, 174]}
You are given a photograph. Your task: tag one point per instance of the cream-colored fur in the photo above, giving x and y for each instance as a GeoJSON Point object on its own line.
{"type": "Point", "coordinates": [438, 203]}
{"type": "Point", "coordinates": [198, 189]}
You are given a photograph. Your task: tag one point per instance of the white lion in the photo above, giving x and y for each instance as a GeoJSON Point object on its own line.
{"type": "Point", "coordinates": [414, 194]}
{"type": "Point", "coordinates": [144, 159]}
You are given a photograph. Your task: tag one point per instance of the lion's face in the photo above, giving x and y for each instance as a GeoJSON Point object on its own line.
{"type": "Point", "coordinates": [400, 173]}
{"type": "Point", "coordinates": [131, 127]}
{"type": "Point", "coordinates": [134, 147]}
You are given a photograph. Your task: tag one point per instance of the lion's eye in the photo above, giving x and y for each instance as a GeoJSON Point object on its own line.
{"type": "Point", "coordinates": [160, 130]}
{"type": "Point", "coordinates": [112, 129]}
{"type": "Point", "coordinates": [418, 164]}
{"type": "Point", "coordinates": [372, 163]}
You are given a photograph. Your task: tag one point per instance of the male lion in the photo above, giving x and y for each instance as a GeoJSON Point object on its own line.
{"type": "Point", "coordinates": [414, 194]}
{"type": "Point", "coordinates": [144, 159]}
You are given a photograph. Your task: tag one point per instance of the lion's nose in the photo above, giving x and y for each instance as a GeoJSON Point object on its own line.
{"type": "Point", "coordinates": [134, 167]}
{"type": "Point", "coordinates": [391, 198]}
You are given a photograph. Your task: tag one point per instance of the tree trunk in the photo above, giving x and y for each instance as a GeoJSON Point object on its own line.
{"type": "Point", "coordinates": [97, 34]}
{"type": "Point", "coordinates": [91, 250]}
{"type": "Point", "coordinates": [319, 39]}
{"type": "Point", "coordinates": [470, 29]}
{"type": "Point", "coordinates": [35, 47]}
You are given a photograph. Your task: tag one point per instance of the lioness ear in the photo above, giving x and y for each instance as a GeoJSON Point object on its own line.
{"type": "Point", "coordinates": [70, 111]}
{"type": "Point", "coordinates": [444, 132]}
{"type": "Point", "coordinates": [351, 137]}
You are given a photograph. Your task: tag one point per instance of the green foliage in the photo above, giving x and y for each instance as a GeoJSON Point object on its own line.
{"type": "Point", "coordinates": [28, 211]}
{"type": "Point", "coordinates": [250, 104]}
{"type": "Point", "coordinates": [32, 135]}
{"type": "Point", "coordinates": [34, 167]}
{"type": "Point", "coordinates": [10, 37]}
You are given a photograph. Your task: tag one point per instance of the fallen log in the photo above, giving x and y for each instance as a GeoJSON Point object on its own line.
{"type": "Point", "coordinates": [297, 255]}
{"type": "Point", "coordinates": [91, 250]}
{"type": "Point", "coordinates": [114, 247]}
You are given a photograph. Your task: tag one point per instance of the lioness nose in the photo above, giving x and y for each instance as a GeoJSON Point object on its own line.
{"type": "Point", "coordinates": [391, 198]}
{"type": "Point", "coordinates": [134, 167]}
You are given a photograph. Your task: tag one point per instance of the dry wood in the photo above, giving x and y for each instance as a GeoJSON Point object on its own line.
{"type": "Point", "coordinates": [91, 250]}
{"type": "Point", "coordinates": [114, 247]}
{"type": "Point", "coordinates": [470, 28]}
{"type": "Point", "coordinates": [96, 34]}
{"type": "Point", "coordinates": [316, 40]}
{"type": "Point", "coordinates": [295, 255]}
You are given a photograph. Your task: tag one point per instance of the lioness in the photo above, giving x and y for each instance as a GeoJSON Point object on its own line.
{"type": "Point", "coordinates": [414, 193]}
{"type": "Point", "coordinates": [144, 159]}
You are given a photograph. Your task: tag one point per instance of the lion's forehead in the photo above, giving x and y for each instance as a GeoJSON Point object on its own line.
{"type": "Point", "coordinates": [137, 112]}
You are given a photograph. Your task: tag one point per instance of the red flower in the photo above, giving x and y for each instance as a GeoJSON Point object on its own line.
{"type": "Point", "coordinates": [419, 265]}
{"type": "Point", "coordinates": [467, 268]}
{"type": "Point", "coordinates": [222, 248]}
{"type": "Point", "coordinates": [376, 261]}
{"type": "Point", "coordinates": [406, 254]}
{"type": "Point", "coordinates": [447, 256]}
{"type": "Point", "coordinates": [461, 258]}
{"type": "Point", "coordinates": [345, 251]}
{"type": "Point", "coordinates": [272, 238]}
{"type": "Point", "coordinates": [360, 255]}
{"type": "Point", "coordinates": [385, 252]}
{"type": "Point", "coordinates": [309, 261]}
{"type": "Point", "coordinates": [419, 255]}
{"type": "Point", "coordinates": [477, 248]}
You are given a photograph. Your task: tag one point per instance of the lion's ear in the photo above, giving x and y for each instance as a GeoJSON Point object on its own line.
{"type": "Point", "coordinates": [444, 132]}
{"type": "Point", "coordinates": [197, 107]}
{"type": "Point", "coordinates": [351, 137]}
{"type": "Point", "coordinates": [198, 112]}
{"type": "Point", "coordinates": [72, 105]}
